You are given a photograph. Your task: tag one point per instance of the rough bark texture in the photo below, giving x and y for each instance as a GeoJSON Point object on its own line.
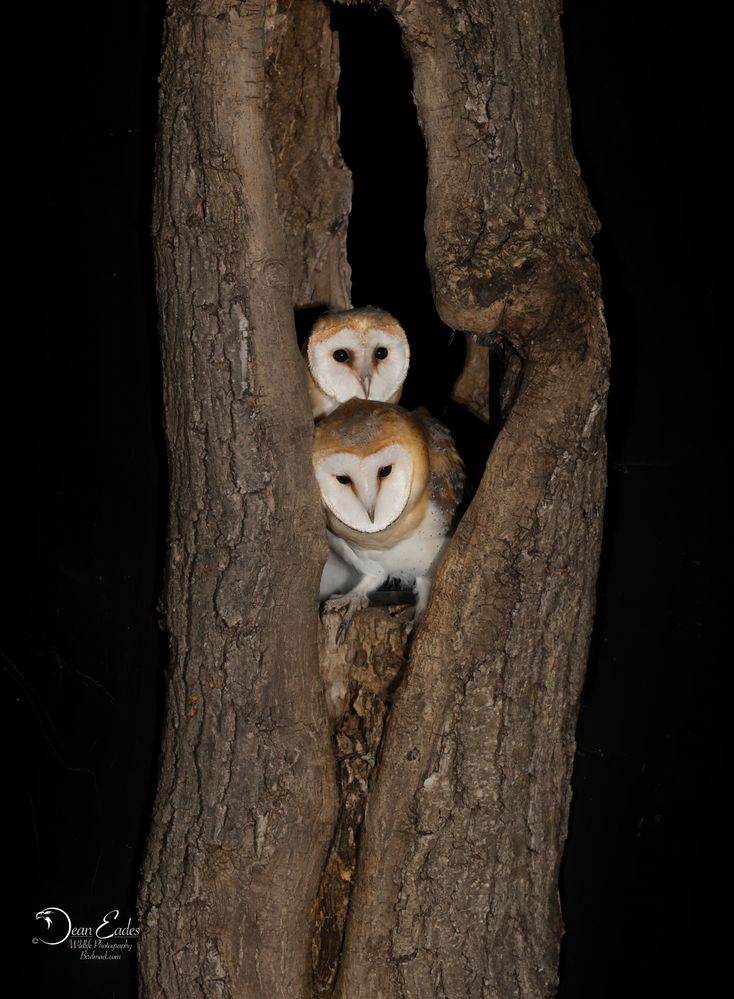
{"type": "Point", "coordinates": [453, 878]}
{"type": "Point", "coordinates": [314, 186]}
{"type": "Point", "coordinates": [360, 675]}
{"type": "Point", "coordinates": [456, 892]}
{"type": "Point", "coordinates": [472, 385]}
{"type": "Point", "coordinates": [246, 799]}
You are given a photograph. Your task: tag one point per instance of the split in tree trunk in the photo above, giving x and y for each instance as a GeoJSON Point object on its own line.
{"type": "Point", "coordinates": [458, 773]}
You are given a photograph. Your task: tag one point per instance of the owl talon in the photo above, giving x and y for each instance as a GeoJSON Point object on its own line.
{"type": "Point", "coordinates": [350, 604]}
{"type": "Point", "coordinates": [344, 623]}
{"type": "Point", "coordinates": [342, 629]}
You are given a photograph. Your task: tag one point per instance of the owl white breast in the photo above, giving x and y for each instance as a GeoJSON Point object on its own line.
{"type": "Point", "coordinates": [390, 483]}
{"type": "Point", "coordinates": [358, 353]}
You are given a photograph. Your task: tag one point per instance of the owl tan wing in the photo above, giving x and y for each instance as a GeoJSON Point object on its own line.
{"type": "Point", "coordinates": [446, 484]}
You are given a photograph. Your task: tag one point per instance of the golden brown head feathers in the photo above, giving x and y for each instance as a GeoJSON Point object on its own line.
{"type": "Point", "coordinates": [356, 353]}
{"type": "Point", "coordinates": [363, 427]}
{"type": "Point", "coordinates": [360, 320]}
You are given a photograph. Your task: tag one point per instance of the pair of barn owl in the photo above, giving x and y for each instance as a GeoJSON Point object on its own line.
{"type": "Point", "coordinates": [390, 480]}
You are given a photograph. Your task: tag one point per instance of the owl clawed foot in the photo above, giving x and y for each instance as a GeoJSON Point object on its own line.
{"type": "Point", "coordinates": [350, 603]}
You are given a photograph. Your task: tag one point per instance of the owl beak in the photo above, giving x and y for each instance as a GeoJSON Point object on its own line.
{"type": "Point", "coordinates": [366, 382]}
{"type": "Point", "coordinates": [367, 492]}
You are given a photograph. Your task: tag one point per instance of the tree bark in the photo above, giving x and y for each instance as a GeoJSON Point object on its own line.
{"type": "Point", "coordinates": [472, 385]}
{"type": "Point", "coordinates": [313, 184]}
{"type": "Point", "coordinates": [457, 813]}
{"type": "Point", "coordinates": [457, 891]}
{"type": "Point", "coordinates": [246, 799]}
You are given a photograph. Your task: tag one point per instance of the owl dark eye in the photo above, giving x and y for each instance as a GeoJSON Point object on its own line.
{"type": "Point", "coordinates": [344, 479]}
{"type": "Point", "coordinates": [381, 353]}
{"type": "Point", "coordinates": [384, 471]}
{"type": "Point", "coordinates": [341, 356]}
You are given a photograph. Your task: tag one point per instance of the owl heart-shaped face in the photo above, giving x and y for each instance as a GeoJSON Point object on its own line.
{"type": "Point", "coordinates": [367, 493]}
{"type": "Point", "coordinates": [359, 359]}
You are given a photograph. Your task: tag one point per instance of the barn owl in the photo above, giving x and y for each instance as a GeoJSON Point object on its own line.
{"type": "Point", "coordinates": [358, 353]}
{"type": "Point", "coordinates": [390, 484]}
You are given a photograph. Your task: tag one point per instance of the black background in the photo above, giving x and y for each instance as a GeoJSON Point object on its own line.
{"type": "Point", "coordinates": [82, 656]}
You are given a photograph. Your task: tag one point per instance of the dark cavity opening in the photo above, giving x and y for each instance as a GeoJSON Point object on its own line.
{"type": "Point", "coordinates": [383, 147]}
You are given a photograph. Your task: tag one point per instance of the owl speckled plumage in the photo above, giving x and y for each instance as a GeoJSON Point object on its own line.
{"type": "Point", "coordinates": [355, 354]}
{"type": "Point", "coordinates": [390, 483]}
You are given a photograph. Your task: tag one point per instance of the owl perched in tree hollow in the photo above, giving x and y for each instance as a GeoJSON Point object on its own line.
{"type": "Point", "coordinates": [355, 354]}
{"type": "Point", "coordinates": [390, 483]}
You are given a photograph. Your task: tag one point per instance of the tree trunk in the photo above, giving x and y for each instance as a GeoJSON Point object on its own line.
{"type": "Point", "coordinates": [246, 799]}
{"type": "Point", "coordinates": [448, 829]}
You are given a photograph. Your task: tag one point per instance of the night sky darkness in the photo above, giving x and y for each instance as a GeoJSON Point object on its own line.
{"type": "Point", "coordinates": [82, 655]}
